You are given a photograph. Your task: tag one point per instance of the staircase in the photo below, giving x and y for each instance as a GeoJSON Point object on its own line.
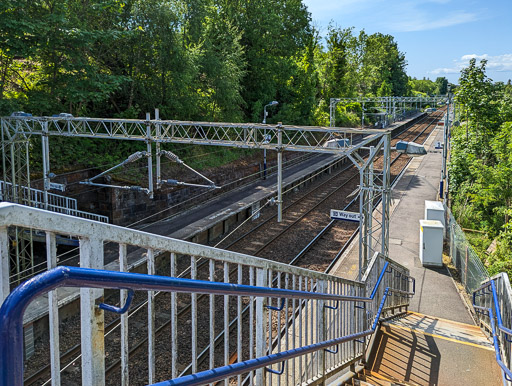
{"type": "Point", "coordinates": [417, 349]}
{"type": "Point", "coordinates": [310, 328]}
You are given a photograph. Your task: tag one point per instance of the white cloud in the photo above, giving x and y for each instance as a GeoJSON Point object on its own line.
{"type": "Point", "coordinates": [440, 71]}
{"type": "Point", "coordinates": [422, 22]}
{"type": "Point", "coordinates": [396, 15]}
{"type": "Point", "coordinates": [499, 63]}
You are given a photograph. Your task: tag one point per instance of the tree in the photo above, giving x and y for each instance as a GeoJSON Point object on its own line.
{"type": "Point", "coordinates": [222, 67]}
{"type": "Point", "coordinates": [337, 66]}
{"type": "Point", "coordinates": [442, 85]}
{"type": "Point", "coordinates": [479, 99]}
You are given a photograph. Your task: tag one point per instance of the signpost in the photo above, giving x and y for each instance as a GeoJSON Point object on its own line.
{"type": "Point", "coordinates": [56, 186]}
{"type": "Point", "coordinates": [345, 216]}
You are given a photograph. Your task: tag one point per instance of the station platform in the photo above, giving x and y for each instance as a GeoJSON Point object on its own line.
{"type": "Point", "coordinates": [195, 221]}
{"type": "Point", "coordinates": [436, 293]}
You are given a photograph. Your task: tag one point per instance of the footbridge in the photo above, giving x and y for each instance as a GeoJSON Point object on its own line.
{"type": "Point", "coordinates": [240, 319]}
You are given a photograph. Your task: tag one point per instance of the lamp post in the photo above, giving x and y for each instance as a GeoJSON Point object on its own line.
{"type": "Point", "coordinates": [273, 103]}
{"type": "Point", "coordinates": [362, 116]}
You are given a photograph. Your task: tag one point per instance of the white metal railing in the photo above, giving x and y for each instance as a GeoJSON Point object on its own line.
{"type": "Point", "coordinates": [216, 329]}
{"type": "Point", "coordinates": [56, 203]}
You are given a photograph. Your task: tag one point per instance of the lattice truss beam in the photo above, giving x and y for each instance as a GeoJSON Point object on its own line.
{"type": "Point", "coordinates": [240, 135]}
{"type": "Point", "coordinates": [389, 108]}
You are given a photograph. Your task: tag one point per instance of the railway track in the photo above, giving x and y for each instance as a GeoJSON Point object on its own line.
{"type": "Point", "coordinates": [297, 215]}
{"type": "Point", "coordinates": [266, 233]}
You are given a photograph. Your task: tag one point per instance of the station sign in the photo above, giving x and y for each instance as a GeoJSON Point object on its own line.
{"type": "Point", "coordinates": [345, 216]}
{"type": "Point", "coordinates": [56, 186]}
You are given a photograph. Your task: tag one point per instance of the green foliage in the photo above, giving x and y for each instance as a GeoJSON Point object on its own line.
{"type": "Point", "coordinates": [422, 87]}
{"type": "Point", "coordinates": [481, 164]}
{"type": "Point", "coordinates": [442, 85]}
{"type": "Point", "coordinates": [213, 60]}
{"type": "Point", "coordinates": [348, 115]}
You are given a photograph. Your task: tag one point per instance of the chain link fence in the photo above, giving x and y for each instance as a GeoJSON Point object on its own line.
{"type": "Point", "coordinates": [471, 270]}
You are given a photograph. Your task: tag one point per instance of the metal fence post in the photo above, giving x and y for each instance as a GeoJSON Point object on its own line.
{"type": "Point", "coordinates": [261, 322]}
{"type": "Point", "coordinates": [93, 323]}
{"type": "Point", "coordinates": [466, 267]}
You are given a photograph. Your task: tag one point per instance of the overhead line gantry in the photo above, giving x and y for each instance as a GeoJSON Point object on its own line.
{"type": "Point", "coordinates": [19, 129]}
{"type": "Point", "coordinates": [391, 107]}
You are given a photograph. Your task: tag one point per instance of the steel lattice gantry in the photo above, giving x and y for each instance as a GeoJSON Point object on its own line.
{"type": "Point", "coordinates": [239, 135]}
{"type": "Point", "coordinates": [16, 174]}
{"type": "Point", "coordinates": [391, 108]}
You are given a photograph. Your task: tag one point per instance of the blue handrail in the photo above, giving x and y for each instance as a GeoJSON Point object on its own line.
{"type": "Point", "coordinates": [232, 370]}
{"type": "Point", "coordinates": [506, 371]}
{"type": "Point", "coordinates": [11, 313]}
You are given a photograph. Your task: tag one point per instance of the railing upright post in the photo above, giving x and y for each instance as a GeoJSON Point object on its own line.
{"type": "Point", "coordinates": [151, 319]}
{"type": "Point", "coordinates": [123, 267]}
{"type": "Point", "coordinates": [4, 264]}
{"type": "Point", "coordinates": [93, 323]}
{"type": "Point", "coordinates": [322, 328]}
{"type": "Point", "coordinates": [53, 311]}
{"type": "Point", "coordinates": [174, 322]}
{"type": "Point", "coordinates": [261, 322]}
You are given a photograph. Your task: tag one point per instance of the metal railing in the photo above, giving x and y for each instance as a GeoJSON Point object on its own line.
{"type": "Point", "coordinates": [285, 312]}
{"type": "Point", "coordinates": [56, 203]}
{"type": "Point", "coordinates": [492, 297]}
{"type": "Point", "coordinates": [11, 314]}
{"type": "Point", "coordinates": [490, 301]}
{"type": "Point", "coordinates": [471, 270]}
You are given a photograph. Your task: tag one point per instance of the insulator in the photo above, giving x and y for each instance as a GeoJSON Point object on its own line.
{"type": "Point", "coordinates": [173, 157]}
{"type": "Point", "coordinates": [173, 182]}
{"type": "Point", "coordinates": [135, 156]}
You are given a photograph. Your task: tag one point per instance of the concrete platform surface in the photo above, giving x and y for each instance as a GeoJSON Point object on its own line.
{"type": "Point", "coordinates": [436, 293]}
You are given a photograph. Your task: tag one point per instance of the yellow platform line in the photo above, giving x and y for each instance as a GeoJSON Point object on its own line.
{"type": "Point", "coordinates": [440, 337]}
{"type": "Point", "coordinates": [472, 326]}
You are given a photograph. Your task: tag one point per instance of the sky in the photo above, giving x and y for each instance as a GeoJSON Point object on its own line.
{"type": "Point", "coordinates": [439, 37]}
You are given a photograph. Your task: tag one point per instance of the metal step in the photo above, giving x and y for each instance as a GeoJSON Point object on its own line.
{"type": "Point", "coordinates": [418, 349]}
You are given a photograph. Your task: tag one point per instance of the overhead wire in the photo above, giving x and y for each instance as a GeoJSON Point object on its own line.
{"type": "Point", "coordinates": [298, 159]}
